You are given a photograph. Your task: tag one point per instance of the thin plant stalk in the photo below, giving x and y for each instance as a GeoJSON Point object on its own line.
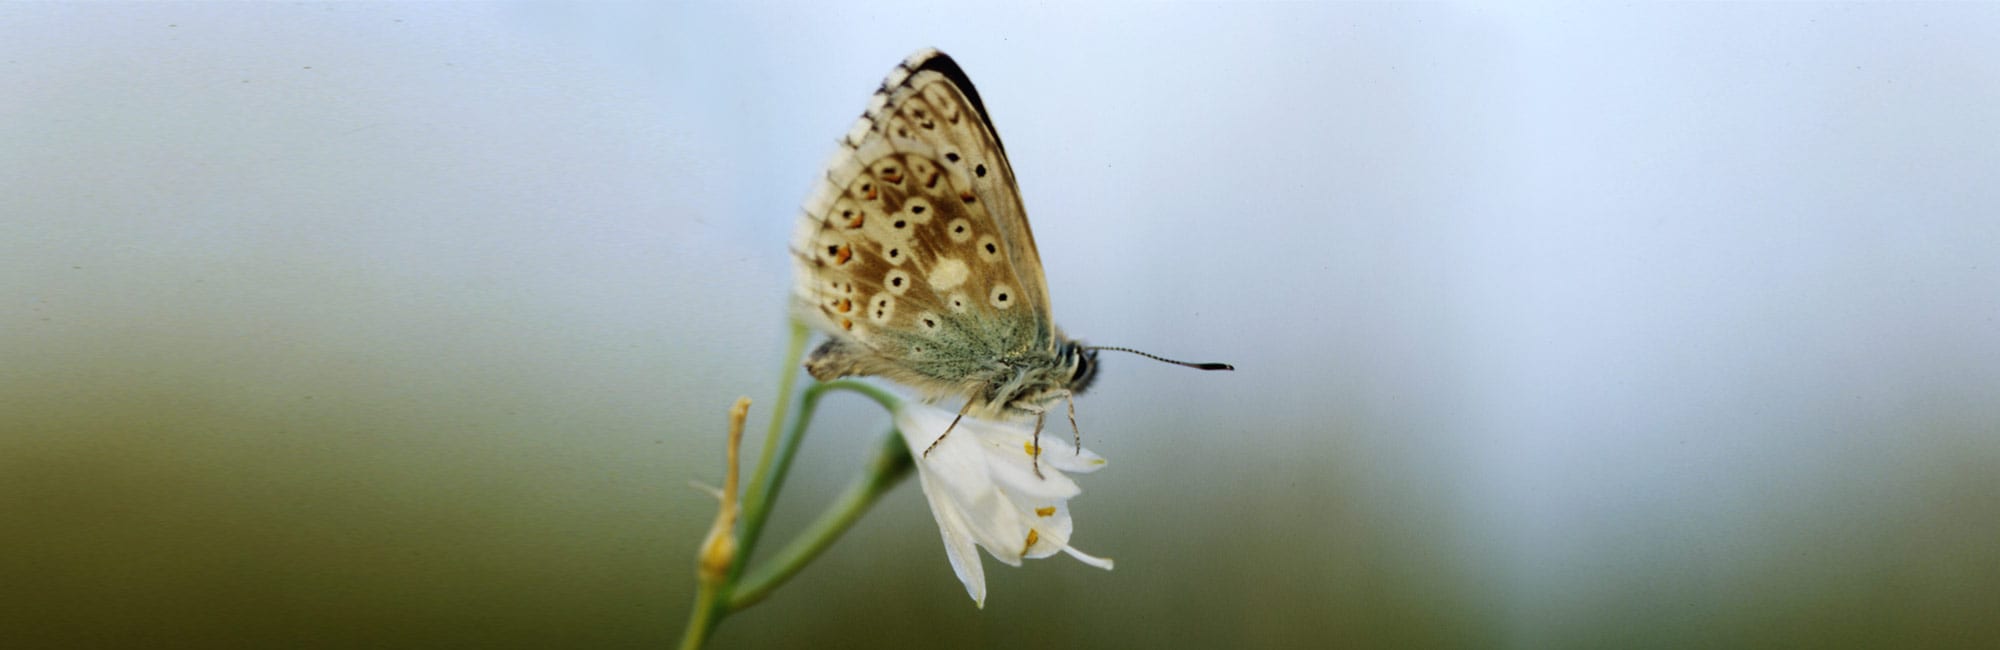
{"type": "Point", "coordinates": [722, 589]}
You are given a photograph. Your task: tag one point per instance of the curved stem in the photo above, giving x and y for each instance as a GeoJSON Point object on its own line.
{"type": "Point", "coordinates": [711, 596]}
{"type": "Point", "coordinates": [703, 617]}
{"type": "Point", "coordinates": [717, 599]}
{"type": "Point", "coordinates": [757, 506]}
{"type": "Point", "coordinates": [761, 480]}
{"type": "Point", "coordinates": [890, 466]}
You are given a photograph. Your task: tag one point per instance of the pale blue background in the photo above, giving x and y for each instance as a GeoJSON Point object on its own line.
{"type": "Point", "coordinates": [1608, 327]}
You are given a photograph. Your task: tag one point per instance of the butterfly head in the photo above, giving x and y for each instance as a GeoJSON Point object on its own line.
{"type": "Point", "coordinates": [1074, 370]}
{"type": "Point", "coordinates": [1082, 364]}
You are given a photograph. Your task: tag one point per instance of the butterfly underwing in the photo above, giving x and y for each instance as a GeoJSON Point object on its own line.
{"type": "Point", "coordinates": [913, 253]}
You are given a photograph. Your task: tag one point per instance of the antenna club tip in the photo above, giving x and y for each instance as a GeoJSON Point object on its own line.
{"type": "Point", "coordinates": [1197, 366]}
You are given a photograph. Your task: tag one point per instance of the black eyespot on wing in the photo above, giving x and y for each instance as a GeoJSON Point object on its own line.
{"type": "Point", "coordinates": [990, 248]}
{"type": "Point", "coordinates": [951, 156]}
{"type": "Point", "coordinates": [977, 169]}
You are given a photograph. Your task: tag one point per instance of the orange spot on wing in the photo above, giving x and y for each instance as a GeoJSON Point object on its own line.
{"type": "Point", "coordinates": [856, 222]}
{"type": "Point", "coordinates": [965, 196]}
{"type": "Point", "coordinates": [845, 305]}
{"type": "Point", "coordinates": [846, 324]}
{"type": "Point", "coordinates": [932, 181]}
{"type": "Point", "coordinates": [846, 253]}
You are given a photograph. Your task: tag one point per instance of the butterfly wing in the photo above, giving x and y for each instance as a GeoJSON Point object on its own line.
{"type": "Point", "coordinates": [913, 250]}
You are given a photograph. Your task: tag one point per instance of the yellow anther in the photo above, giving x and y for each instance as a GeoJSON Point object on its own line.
{"type": "Point", "coordinates": [1031, 448]}
{"type": "Point", "coordinates": [1032, 538]}
{"type": "Point", "coordinates": [1045, 511]}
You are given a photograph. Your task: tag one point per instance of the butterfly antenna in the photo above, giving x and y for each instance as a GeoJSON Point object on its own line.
{"type": "Point", "coordinates": [1196, 366]}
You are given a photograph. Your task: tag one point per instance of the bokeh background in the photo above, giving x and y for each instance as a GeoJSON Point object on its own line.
{"type": "Point", "coordinates": [408, 325]}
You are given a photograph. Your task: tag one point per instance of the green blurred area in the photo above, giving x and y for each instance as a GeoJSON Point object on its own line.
{"type": "Point", "coordinates": [173, 506]}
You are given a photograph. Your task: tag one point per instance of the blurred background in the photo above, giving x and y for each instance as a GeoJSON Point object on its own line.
{"type": "Point", "coordinates": [408, 325]}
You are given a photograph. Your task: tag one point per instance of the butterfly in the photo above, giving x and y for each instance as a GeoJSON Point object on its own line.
{"type": "Point", "coordinates": [913, 253]}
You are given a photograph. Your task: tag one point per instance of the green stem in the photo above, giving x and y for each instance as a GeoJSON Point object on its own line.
{"type": "Point", "coordinates": [704, 616]}
{"type": "Point", "coordinates": [710, 601]}
{"type": "Point", "coordinates": [891, 464]}
{"type": "Point", "coordinates": [787, 380]}
{"type": "Point", "coordinates": [757, 506]}
{"type": "Point", "coordinates": [713, 601]}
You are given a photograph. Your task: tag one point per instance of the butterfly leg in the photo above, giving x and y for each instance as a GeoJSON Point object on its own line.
{"type": "Point", "coordinates": [1071, 398]}
{"type": "Point", "coordinates": [1035, 447]}
{"type": "Point", "coordinates": [947, 429]}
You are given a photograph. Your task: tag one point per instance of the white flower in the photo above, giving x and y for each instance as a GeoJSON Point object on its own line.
{"type": "Point", "coordinates": [983, 490]}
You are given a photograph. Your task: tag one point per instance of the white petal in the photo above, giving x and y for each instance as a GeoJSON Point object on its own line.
{"type": "Point", "coordinates": [958, 480]}
{"type": "Point", "coordinates": [1069, 460]}
{"type": "Point", "coordinates": [958, 544]}
{"type": "Point", "coordinates": [1014, 474]}
{"type": "Point", "coordinates": [983, 490]}
{"type": "Point", "coordinates": [1086, 558]}
{"type": "Point", "coordinates": [1054, 529]}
